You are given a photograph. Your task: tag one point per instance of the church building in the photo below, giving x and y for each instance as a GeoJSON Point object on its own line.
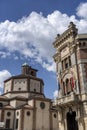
{"type": "Point", "coordinates": [71, 68]}
{"type": "Point", "coordinates": [23, 105]}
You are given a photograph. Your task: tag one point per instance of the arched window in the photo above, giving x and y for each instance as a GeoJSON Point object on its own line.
{"type": "Point", "coordinates": [67, 83]}
{"type": "Point", "coordinates": [64, 90]}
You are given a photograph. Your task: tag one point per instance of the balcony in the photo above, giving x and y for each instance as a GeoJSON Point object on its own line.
{"type": "Point", "coordinates": [68, 99]}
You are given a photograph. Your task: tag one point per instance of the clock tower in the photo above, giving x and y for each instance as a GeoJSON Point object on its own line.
{"type": "Point", "coordinates": [71, 68]}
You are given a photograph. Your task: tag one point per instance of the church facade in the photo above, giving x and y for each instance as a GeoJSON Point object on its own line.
{"type": "Point", "coordinates": [71, 67]}
{"type": "Point", "coordinates": [23, 105]}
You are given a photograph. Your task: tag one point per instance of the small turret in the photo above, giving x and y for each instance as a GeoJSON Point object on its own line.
{"type": "Point", "coordinates": [72, 25]}
{"type": "Point", "coordinates": [27, 70]}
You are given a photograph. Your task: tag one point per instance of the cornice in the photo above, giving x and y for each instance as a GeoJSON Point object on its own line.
{"type": "Point", "coordinates": [22, 76]}
{"type": "Point", "coordinates": [71, 31]}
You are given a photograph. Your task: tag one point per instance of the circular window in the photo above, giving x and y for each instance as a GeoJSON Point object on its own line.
{"type": "Point", "coordinates": [42, 105]}
{"type": "Point", "coordinates": [28, 113]}
{"type": "Point", "coordinates": [8, 113]}
{"type": "Point", "coordinates": [19, 88]}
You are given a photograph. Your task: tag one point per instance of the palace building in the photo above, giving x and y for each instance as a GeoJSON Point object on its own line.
{"type": "Point", "coordinates": [71, 67]}
{"type": "Point", "coordinates": [23, 105]}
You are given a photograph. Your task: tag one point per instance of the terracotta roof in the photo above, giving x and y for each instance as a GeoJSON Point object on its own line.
{"type": "Point", "coordinates": [19, 97]}
{"type": "Point", "coordinates": [9, 107]}
{"type": "Point", "coordinates": [28, 106]}
{"type": "Point", "coordinates": [3, 97]}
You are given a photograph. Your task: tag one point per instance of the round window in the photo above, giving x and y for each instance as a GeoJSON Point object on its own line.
{"type": "Point", "coordinates": [8, 113]}
{"type": "Point", "coordinates": [28, 113]}
{"type": "Point", "coordinates": [42, 105]}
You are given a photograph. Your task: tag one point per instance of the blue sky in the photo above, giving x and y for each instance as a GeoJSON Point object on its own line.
{"type": "Point", "coordinates": [27, 31]}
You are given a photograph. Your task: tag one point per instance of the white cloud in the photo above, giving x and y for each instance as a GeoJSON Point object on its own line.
{"type": "Point", "coordinates": [82, 10]}
{"type": "Point", "coordinates": [0, 93]}
{"type": "Point", "coordinates": [49, 67]}
{"type": "Point", "coordinates": [4, 54]}
{"type": "Point", "coordinates": [55, 94]}
{"type": "Point", "coordinates": [4, 74]}
{"type": "Point", "coordinates": [32, 36]}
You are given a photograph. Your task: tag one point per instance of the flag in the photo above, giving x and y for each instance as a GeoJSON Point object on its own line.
{"type": "Point", "coordinates": [72, 82]}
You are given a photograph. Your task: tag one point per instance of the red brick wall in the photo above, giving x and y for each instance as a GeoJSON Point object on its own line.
{"type": "Point", "coordinates": [82, 54]}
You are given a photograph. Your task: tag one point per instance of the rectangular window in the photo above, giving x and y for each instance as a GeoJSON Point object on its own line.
{"type": "Point", "coordinates": [7, 123]}
{"type": "Point", "coordinates": [66, 65]}
{"type": "Point", "coordinates": [69, 61]}
{"type": "Point", "coordinates": [16, 123]}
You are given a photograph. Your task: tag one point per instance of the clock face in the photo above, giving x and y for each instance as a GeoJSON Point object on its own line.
{"type": "Point", "coordinates": [42, 105]}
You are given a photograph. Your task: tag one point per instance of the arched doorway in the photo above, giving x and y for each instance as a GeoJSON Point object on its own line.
{"type": "Point", "coordinates": [71, 120]}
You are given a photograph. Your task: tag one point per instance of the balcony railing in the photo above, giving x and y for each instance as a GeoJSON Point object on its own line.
{"type": "Point", "coordinates": [72, 97]}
